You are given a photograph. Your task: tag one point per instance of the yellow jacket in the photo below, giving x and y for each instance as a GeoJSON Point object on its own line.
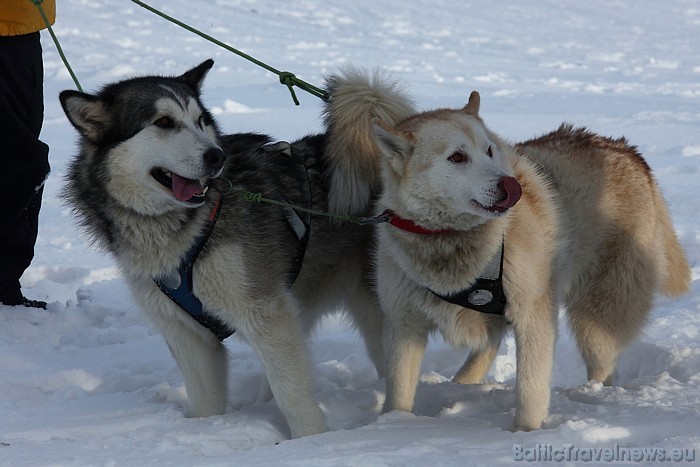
{"type": "Point", "coordinates": [22, 16]}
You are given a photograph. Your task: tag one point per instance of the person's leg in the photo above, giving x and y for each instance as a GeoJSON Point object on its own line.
{"type": "Point", "coordinates": [24, 161]}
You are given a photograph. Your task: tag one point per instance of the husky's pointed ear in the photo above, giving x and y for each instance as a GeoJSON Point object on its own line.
{"type": "Point", "coordinates": [394, 144]}
{"type": "Point", "coordinates": [87, 113]}
{"type": "Point", "coordinates": [472, 106]}
{"type": "Point", "coordinates": [195, 76]}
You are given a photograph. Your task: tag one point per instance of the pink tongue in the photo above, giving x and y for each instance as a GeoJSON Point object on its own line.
{"type": "Point", "coordinates": [184, 188]}
{"type": "Point", "coordinates": [513, 192]}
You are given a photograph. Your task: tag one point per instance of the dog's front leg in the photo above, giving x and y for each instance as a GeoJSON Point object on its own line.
{"type": "Point", "coordinates": [200, 357]}
{"type": "Point", "coordinates": [272, 329]}
{"type": "Point", "coordinates": [204, 366]}
{"type": "Point", "coordinates": [535, 331]}
{"type": "Point", "coordinates": [404, 346]}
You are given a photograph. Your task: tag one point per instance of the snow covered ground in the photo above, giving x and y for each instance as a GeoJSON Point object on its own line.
{"type": "Point", "coordinates": [90, 382]}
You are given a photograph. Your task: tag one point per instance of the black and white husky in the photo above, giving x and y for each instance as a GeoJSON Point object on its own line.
{"type": "Point", "coordinates": [142, 186]}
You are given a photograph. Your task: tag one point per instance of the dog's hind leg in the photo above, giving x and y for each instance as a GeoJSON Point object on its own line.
{"type": "Point", "coordinates": [272, 329]}
{"type": "Point", "coordinates": [607, 311]}
{"type": "Point", "coordinates": [479, 361]}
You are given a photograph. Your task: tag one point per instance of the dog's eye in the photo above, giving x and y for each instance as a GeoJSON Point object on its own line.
{"type": "Point", "coordinates": [489, 151]}
{"type": "Point", "coordinates": [202, 121]}
{"type": "Point", "coordinates": [458, 158]}
{"type": "Point", "coordinates": [164, 122]}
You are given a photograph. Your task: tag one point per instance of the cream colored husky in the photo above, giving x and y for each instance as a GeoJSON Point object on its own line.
{"type": "Point", "coordinates": [582, 224]}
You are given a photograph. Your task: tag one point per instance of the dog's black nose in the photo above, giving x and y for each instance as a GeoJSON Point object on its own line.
{"type": "Point", "coordinates": [214, 158]}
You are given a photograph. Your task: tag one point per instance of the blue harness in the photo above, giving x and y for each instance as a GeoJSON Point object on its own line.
{"type": "Point", "coordinates": [179, 289]}
{"type": "Point", "coordinates": [182, 294]}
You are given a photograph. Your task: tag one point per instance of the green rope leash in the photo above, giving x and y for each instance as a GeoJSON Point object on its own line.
{"type": "Point", "coordinates": [286, 78]}
{"type": "Point", "coordinates": [259, 198]}
{"type": "Point", "coordinates": [38, 3]}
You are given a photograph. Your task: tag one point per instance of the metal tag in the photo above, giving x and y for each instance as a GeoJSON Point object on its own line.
{"type": "Point", "coordinates": [480, 297]}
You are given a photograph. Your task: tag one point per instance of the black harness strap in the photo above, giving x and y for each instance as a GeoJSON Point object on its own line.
{"type": "Point", "coordinates": [486, 295]}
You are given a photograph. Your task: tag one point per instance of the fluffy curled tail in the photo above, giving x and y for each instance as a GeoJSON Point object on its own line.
{"type": "Point", "coordinates": [356, 99]}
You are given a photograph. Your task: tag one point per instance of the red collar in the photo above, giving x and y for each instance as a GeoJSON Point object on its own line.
{"type": "Point", "coordinates": [408, 225]}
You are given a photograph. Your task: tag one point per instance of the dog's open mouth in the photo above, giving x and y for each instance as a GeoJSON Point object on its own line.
{"type": "Point", "coordinates": [184, 189]}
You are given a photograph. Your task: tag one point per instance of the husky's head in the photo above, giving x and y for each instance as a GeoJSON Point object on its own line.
{"type": "Point", "coordinates": [148, 141]}
{"type": "Point", "coordinates": [445, 166]}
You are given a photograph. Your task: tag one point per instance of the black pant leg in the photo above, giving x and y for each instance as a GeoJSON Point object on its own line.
{"type": "Point", "coordinates": [24, 161]}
